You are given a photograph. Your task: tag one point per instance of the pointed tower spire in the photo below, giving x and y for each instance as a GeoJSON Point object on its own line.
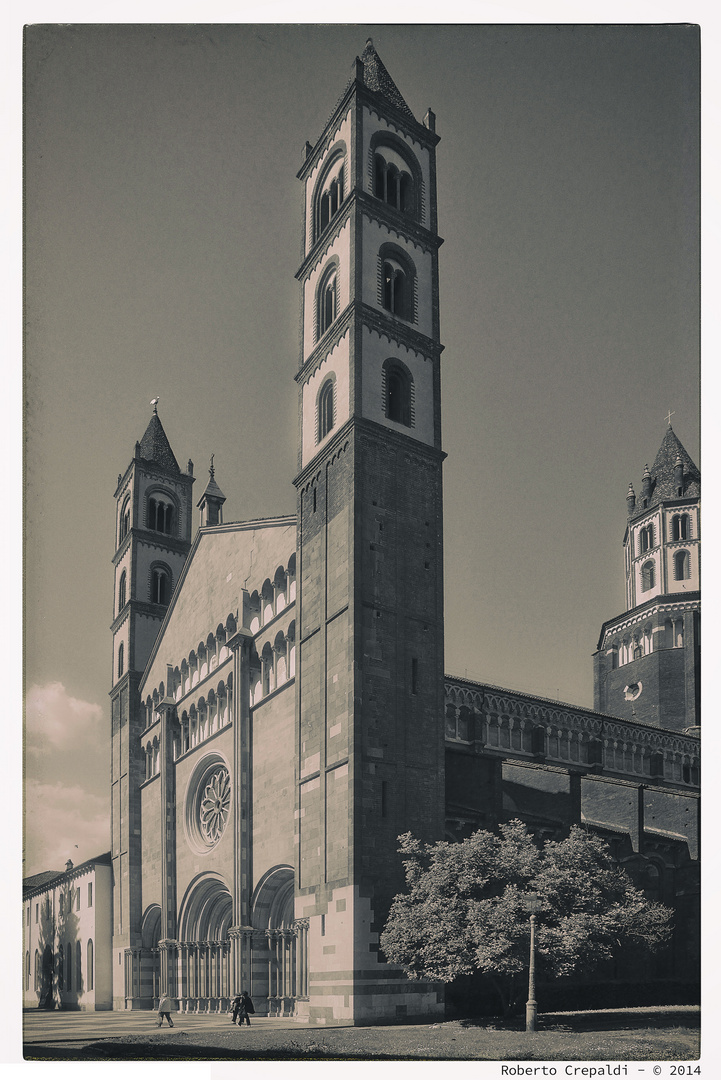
{"type": "Point", "coordinates": [630, 499]}
{"type": "Point", "coordinates": [154, 445]}
{"type": "Point", "coordinates": [211, 501]}
{"type": "Point", "coordinates": [376, 77]}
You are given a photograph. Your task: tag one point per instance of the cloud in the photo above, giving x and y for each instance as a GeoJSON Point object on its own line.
{"type": "Point", "coordinates": [63, 822]}
{"type": "Point", "coordinates": [56, 721]}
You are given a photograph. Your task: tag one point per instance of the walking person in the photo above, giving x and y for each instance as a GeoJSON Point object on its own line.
{"type": "Point", "coordinates": [246, 1008]}
{"type": "Point", "coordinates": [235, 1007]}
{"type": "Point", "coordinates": [165, 1007]}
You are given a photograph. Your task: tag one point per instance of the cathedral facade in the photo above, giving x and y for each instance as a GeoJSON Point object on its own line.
{"type": "Point", "coordinates": [279, 709]}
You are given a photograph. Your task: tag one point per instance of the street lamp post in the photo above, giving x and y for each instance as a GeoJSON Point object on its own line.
{"type": "Point", "coordinates": [531, 1004]}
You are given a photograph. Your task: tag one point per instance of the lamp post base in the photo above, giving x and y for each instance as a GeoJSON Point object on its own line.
{"type": "Point", "coordinates": [531, 1012]}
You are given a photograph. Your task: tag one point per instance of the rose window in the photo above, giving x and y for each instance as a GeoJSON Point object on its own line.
{"type": "Point", "coordinates": [208, 803]}
{"type": "Point", "coordinates": [215, 806]}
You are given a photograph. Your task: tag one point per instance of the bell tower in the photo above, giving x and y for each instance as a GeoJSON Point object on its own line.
{"type": "Point", "coordinates": [370, 540]}
{"type": "Point", "coordinates": [152, 539]}
{"type": "Point", "coordinates": [648, 659]}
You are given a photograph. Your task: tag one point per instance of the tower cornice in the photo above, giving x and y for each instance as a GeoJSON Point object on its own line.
{"type": "Point", "coordinates": [362, 425]}
{"type": "Point", "coordinates": [403, 226]}
{"type": "Point", "coordinates": [384, 325]}
{"type": "Point", "coordinates": [690, 601]}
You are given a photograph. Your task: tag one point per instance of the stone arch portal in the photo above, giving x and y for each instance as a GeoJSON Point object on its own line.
{"type": "Point", "coordinates": [278, 960]}
{"type": "Point", "coordinates": [203, 961]}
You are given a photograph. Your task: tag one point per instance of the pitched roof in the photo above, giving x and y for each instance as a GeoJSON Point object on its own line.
{"type": "Point", "coordinates": [663, 474]}
{"type": "Point", "coordinates": [154, 446]}
{"type": "Point", "coordinates": [36, 881]}
{"type": "Point", "coordinates": [376, 77]}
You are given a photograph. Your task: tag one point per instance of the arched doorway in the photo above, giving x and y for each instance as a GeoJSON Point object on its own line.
{"type": "Point", "coordinates": [150, 958]}
{"type": "Point", "coordinates": [279, 943]}
{"type": "Point", "coordinates": [203, 971]}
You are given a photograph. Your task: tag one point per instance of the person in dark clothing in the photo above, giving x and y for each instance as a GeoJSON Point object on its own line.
{"type": "Point", "coordinates": [246, 1008]}
{"type": "Point", "coordinates": [235, 1006]}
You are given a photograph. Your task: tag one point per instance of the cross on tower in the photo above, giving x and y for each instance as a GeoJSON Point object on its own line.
{"type": "Point", "coordinates": [668, 418]}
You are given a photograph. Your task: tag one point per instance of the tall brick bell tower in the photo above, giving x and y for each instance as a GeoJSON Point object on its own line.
{"type": "Point", "coordinates": [370, 540]}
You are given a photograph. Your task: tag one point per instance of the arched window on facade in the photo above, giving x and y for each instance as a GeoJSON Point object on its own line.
{"type": "Point", "coordinates": [122, 588]}
{"type": "Point", "coordinates": [681, 566]}
{"type": "Point", "coordinates": [398, 392]}
{"type": "Point", "coordinates": [327, 300]}
{"type": "Point", "coordinates": [69, 967]}
{"type": "Point", "coordinates": [124, 520]}
{"type": "Point", "coordinates": [161, 515]}
{"type": "Point", "coordinates": [61, 968]}
{"type": "Point", "coordinates": [121, 659]}
{"type": "Point", "coordinates": [160, 585]}
{"type": "Point", "coordinates": [78, 967]}
{"type": "Point", "coordinates": [680, 527]}
{"type": "Point", "coordinates": [329, 194]}
{"type": "Point", "coordinates": [326, 410]}
{"type": "Point", "coordinates": [397, 289]}
{"type": "Point", "coordinates": [646, 538]}
{"type": "Point", "coordinates": [89, 976]}
{"type": "Point", "coordinates": [392, 180]}
{"type": "Point", "coordinates": [648, 576]}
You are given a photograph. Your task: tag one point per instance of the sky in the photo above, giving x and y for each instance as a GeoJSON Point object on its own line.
{"type": "Point", "coordinates": [162, 235]}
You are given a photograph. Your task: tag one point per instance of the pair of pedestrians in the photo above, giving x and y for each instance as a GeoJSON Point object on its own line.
{"type": "Point", "coordinates": [242, 1008]}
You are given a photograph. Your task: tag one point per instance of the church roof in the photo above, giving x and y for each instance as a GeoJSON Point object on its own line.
{"type": "Point", "coordinates": [154, 446]}
{"type": "Point", "coordinates": [376, 78]}
{"type": "Point", "coordinates": [663, 485]}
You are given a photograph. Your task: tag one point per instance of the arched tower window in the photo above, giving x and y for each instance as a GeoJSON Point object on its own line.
{"type": "Point", "coordinates": [160, 582]}
{"type": "Point", "coordinates": [680, 529]}
{"type": "Point", "coordinates": [391, 183]}
{"type": "Point", "coordinates": [124, 520]}
{"type": "Point", "coordinates": [161, 516]}
{"type": "Point", "coordinates": [397, 282]}
{"type": "Point", "coordinates": [396, 175]}
{"type": "Point", "coordinates": [398, 392]}
{"type": "Point", "coordinates": [122, 587]}
{"type": "Point", "coordinates": [646, 538]}
{"type": "Point", "coordinates": [329, 194]}
{"type": "Point", "coordinates": [395, 289]}
{"type": "Point", "coordinates": [326, 409]}
{"type": "Point", "coordinates": [648, 576]}
{"type": "Point", "coordinates": [327, 299]}
{"type": "Point", "coordinates": [681, 566]}
{"type": "Point", "coordinates": [121, 659]}
{"type": "Point", "coordinates": [89, 976]}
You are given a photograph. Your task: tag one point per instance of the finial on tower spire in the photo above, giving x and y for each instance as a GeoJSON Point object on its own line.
{"type": "Point", "coordinates": [668, 418]}
{"type": "Point", "coordinates": [154, 403]}
{"type": "Point", "coordinates": [211, 470]}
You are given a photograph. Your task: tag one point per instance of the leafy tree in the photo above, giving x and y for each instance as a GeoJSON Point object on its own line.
{"type": "Point", "coordinates": [465, 909]}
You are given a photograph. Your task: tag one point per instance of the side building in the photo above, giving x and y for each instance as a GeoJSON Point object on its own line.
{"type": "Point", "coordinates": [67, 927]}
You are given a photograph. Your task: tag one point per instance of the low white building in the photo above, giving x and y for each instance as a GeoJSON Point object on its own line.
{"type": "Point", "coordinates": [67, 928]}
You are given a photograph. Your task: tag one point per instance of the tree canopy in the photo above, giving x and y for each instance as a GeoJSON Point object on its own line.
{"type": "Point", "coordinates": [466, 908]}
